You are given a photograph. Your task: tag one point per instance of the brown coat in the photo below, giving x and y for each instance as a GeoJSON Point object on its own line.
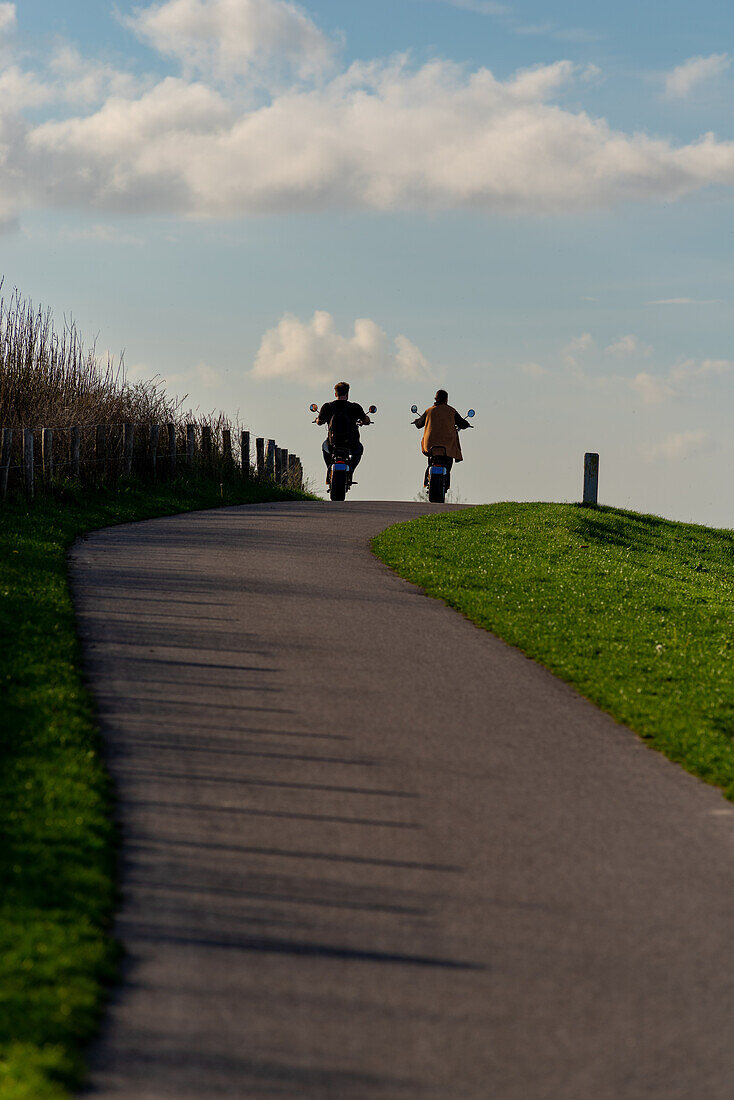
{"type": "Point", "coordinates": [440, 431]}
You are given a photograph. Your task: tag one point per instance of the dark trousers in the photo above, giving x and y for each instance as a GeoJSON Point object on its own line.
{"type": "Point", "coordinates": [447, 463]}
{"type": "Point", "coordinates": [356, 449]}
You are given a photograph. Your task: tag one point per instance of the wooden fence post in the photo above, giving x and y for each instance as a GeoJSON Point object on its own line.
{"type": "Point", "coordinates": [591, 478]}
{"type": "Point", "coordinates": [5, 461]}
{"type": "Point", "coordinates": [171, 429]}
{"type": "Point", "coordinates": [155, 431]}
{"type": "Point", "coordinates": [76, 452]}
{"type": "Point", "coordinates": [47, 453]}
{"type": "Point", "coordinates": [128, 442]}
{"type": "Point", "coordinates": [28, 461]}
{"type": "Point", "coordinates": [206, 446]}
{"type": "Point", "coordinates": [100, 451]}
{"type": "Point", "coordinates": [245, 453]}
{"type": "Point", "coordinates": [270, 460]}
{"type": "Point", "coordinates": [275, 462]}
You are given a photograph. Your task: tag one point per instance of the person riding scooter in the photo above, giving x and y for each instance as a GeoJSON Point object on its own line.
{"type": "Point", "coordinates": [442, 424]}
{"type": "Point", "coordinates": [343, 418]}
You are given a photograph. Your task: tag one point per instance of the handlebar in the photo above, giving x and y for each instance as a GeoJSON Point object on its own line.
{"type": "Point", "coordinates": [361, 423]}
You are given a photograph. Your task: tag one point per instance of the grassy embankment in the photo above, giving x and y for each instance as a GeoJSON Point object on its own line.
{"type": "Point", "coordinates": [57, 855]}
{"type": "Point", "coordinates": [635, 611]}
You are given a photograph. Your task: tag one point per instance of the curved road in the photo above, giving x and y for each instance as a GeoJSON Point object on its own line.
{"type": "Point", "coordinates": [372, 852]}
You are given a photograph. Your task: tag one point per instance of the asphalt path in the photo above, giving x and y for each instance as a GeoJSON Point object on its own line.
{"type": "Point", "coordinates": [369, 851]}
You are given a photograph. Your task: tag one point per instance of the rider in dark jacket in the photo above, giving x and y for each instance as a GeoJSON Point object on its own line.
{"type": "Point", "coordinates": [350, 415]}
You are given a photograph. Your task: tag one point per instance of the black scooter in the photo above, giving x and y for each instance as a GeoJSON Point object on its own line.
{"type": "Point", "coordinates": [438, 473]}
{"type": "Point", "coordinates": [339, 476]}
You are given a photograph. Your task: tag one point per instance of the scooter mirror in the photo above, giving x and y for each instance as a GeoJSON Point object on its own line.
{"type": "Point", "coordinates": [414, 408]}
{"type": "Point", "coordinates": [471, 412]}
{"type": "Point", "coordinates": [314, 408]}
{"type": "Point", "coordinates": [373, 408]}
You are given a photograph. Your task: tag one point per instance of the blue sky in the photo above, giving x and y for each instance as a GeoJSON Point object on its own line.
{"type": "Point", "coordinates": [516, 201]}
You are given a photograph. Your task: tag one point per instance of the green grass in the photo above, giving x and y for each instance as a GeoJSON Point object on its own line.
{"type": "Point", "coordinates": [635, 611]}
{"type": "Point", "coordinates": [57, 842]}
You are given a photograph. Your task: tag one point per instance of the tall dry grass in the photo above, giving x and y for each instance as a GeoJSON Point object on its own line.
{"type": "Point", "coordinates": [49, 379]}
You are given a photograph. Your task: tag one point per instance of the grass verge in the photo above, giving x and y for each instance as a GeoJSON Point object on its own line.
{"type": "Point", "coordinates": [635, 611]}
{"type": "Point", "coordinates": [57, 857]}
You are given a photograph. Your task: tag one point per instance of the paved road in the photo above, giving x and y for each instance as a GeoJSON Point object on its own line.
{"type": "Point", "coordinates": [371, 852]}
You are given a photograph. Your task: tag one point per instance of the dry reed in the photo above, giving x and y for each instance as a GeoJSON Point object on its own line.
{"type": "Point", "coordinates": [52, 381]}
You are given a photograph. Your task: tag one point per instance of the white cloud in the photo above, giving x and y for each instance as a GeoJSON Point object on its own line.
{"type": "Point", "coordinates": [21, 90]}
{"type": "Point", "coordinates": [588, 366]}
{"type": "Point", "coordinates": [410, 360]}
{"type": "Point", "coordinates": [629, 345]}
{"type": "Point", "coordinates": [143, 127]}
{"type": "Point", "coordinates": [382, 135]}
{"type": "Point", "coordinates": [533, 370]}
{"type": "Point", "coordinates": [69, 78]}
{"type": "Point", "coordinates": [313, 352]}
{"type": "Point", "coordinates": [8, 17]}
{"type": "Point", "coordinates": [138, 145]}
{"type": "Point", "coordinates": [139, 371]}
{"type": "Point", "coordinates": [651, 389]}
{"type": "Point", "coordinates": [692, 368]}
{"type": "Point", "coordinates": [685, 302]}
{"type": "Point", "coordinates": [577, 349]}
{"type": "Point", "coordinates": [677, 446]}
{"type": "Point", "coordinates": [207, 375]}
{"type": "Point", "coordinates": [684, 78]}
{"type": "Point", "coordinates": [230, 38]}
{"type": "Point", "coordinates": [716, 366]}
{"type": "Point", "coordinates": [81, 81]}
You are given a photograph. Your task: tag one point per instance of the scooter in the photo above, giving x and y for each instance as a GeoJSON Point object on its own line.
{"type": "Point", "coordinates": [339, 476]}
{"type": "Point", "coordinates": [438, 474]}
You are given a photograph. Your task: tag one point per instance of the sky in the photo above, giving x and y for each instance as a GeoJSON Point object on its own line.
{"type": "Point", "coordinates": [529, 204]}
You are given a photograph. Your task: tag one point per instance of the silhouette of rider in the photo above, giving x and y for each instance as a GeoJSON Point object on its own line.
{"type": "Point", "coordinates": [348, 415]}
{"type": "Point", "coordinates": [442, 424]}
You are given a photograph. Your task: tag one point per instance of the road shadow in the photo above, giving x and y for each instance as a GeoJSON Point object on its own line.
{"type": "Point", "coordinates": [256, 834]}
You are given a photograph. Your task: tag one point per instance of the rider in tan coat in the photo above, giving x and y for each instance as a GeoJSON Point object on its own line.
{"type": "Point", "coordinates": [442, 423]}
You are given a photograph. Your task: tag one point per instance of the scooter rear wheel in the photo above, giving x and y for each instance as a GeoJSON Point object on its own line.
{"type": "Point", "coordinates": [437, 488]}
{"type": "Point", "coordinates": [338, 485]}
